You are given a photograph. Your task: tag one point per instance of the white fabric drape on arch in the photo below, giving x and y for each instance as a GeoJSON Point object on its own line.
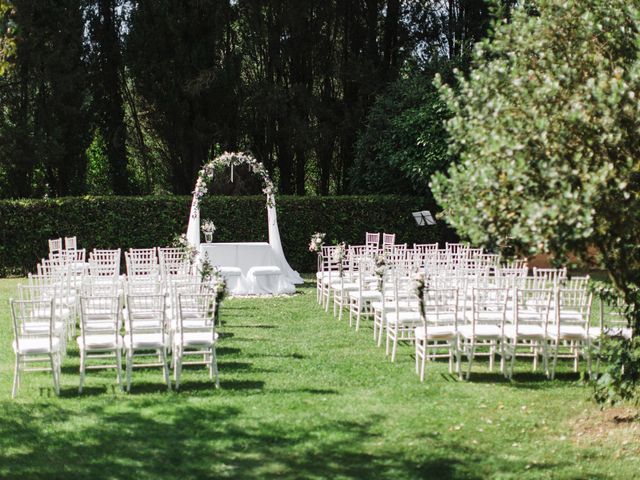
{"type": "Point", "coordinates": [193, 237]}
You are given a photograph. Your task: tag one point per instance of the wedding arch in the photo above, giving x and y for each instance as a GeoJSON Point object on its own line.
{"type": "Point", "coordinates": [232, 159]}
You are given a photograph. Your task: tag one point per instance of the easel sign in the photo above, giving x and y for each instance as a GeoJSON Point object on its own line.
{"type": "Point", "coordinates": [424, 218]}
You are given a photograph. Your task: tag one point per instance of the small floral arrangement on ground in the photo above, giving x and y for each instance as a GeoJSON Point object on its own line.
{"type": "Point", "coordinates": [208, 227]}
{"type": "Point", "coordinates": [211, 276]}
{"type": "Point", "coordinates": [316, 242]}
{"type": "Point", "coordinates": [419, 287]}
{"type": "Point", "coordinates": [189, 252]}
{"type": "Point", "coordinates": [380, 270]}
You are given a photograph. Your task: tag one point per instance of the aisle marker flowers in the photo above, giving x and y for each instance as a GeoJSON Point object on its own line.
{"type": "Point", "coordinates": [316, 242]}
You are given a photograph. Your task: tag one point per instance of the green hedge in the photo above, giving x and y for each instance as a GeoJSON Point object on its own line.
{"type": "Point", "coordinates": [124, 222]}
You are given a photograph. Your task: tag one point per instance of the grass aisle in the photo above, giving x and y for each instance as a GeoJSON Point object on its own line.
{"type": "Point", "coordinates": [303, 396]}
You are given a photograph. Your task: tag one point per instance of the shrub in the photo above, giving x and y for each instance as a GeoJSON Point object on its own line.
{"type": "Point", "coordinates": [125, 222]}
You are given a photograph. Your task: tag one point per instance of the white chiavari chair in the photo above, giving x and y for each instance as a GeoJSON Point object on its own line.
{"type": "Point", "coordinates": [70, 243]}
{"type": "Point", "coordinates": [196, 334]}
{"type": "Point", "coordinates": [55, 245]}
{"type": "Point", "coordinates": [485, 327]}
{"type": "Point", "coordinates": [439, 330]}
{"type": "Point", "coordinates": [525, 333]}
{"type": "Point", "coordinates": [100, 340]}
{"type": "Point", "coordinates": [367, 291]}
{"type": "Point", "coordinates": [372, 241]}
{"type": "Point", "coordinates": [569, 332]}
{"type": "Point", "coordinates": [145, 332]}
{"type": "Point", "coordinates": [402, 321]}
{"type": "Point", "coordinates": [35, 340]}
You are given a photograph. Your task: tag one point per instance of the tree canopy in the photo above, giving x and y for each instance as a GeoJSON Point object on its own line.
{"type": "Point", "coordinates": [546, 131]}
{"type": "Point", "coordinates": [145, 92]}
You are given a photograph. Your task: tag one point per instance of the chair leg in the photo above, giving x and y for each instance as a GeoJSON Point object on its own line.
{"type": "Point", "coordinates": [54, 371]}
{"type": "Point", "coordinates": [129, 361]}
{"type": "Point", "coordinates": [395, 346]}
{"type": "Point", "coordinates": [119, 367]}
{"type": "Point", "coordinates": [471, 353]}
{"type": "Point", "coordinates": [165, 368]}
{"type": "Point", "coordinates": [16, 377]}
{"type": "Point", "coordinates": [178, 367]}
{"type": "Point", "coordinates": [82, 370]}
{"type": "Point", "coordinates": [214, 365]}
{"type": "Point", "coordinates": [555, 360]}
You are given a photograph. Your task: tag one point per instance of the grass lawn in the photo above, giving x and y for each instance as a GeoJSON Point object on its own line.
{"type": "Point", "coordinates": [304, 396]}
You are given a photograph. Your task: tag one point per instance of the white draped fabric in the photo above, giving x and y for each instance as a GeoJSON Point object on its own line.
{"type": "Point", "coordinates": [246, 256]}
{"type": "Point", "coordinates": [289, 275]}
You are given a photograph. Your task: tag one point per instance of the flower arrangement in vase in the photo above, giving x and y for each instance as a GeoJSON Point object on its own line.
{"type": "Point", "coordinates": [208, 228]}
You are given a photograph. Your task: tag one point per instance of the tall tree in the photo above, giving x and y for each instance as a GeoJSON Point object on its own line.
{"type": "Point", "coordinates": [187, 78]}
{"type": "Point", "coordinates": [46, 116]}
{"type": "Point", "coordinates": [105, 26]}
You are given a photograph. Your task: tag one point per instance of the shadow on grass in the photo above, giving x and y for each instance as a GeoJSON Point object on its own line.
{"type": "Point", "coordinates": [176, 439]}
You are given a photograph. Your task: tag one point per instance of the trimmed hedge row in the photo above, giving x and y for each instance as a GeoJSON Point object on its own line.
{"type": "Point", "coordinates": [124, 222]}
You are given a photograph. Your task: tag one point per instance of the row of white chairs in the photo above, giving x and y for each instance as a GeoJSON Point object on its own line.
{"type": "Point", "coordinates": [156, 311]}
{"type": "Point", "coordinates": [545, 315]}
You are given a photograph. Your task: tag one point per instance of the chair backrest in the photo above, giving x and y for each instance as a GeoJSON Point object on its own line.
{"type": "Point", "coordinates": [388, 239]}
{"type": "Point", "coordinates": [425, 247]}
{"type": "Point", "coordinates": [575, 283]}
{"type": "Point", "coordinates": [141, 262]}
{"type": "Point", "coordinates": [55, 245]}
{"type": "Point", "coordinates": [105, 263]}
{"type": "Point", "coordinates": [29, 317]}
{"type": "Point", "coordinates": [573, 306]}
{"type": "Point", "coordinates": [551, 275]}
{"type": "Point", "coordinates": [372, 240]}
{"type": "Point", "coordinates": [100, 315]}
{"type": "Point", "coordinates": [173, 262]}
{"type": "Point", "coordinates": [145, 314]}
{"type": "Point", "coordinates": [96, 286]}
{"type": "Point", "coordinates": [455, 247]}
{"type": "Point", "coordinates": [70, 243]}
{"type": "Point", "coordinates": [489, 306]}
{"type": "Point", "coordinates": [143, 285]}
{"type": "Point", "coordinates": [196, 313]}
{"type": "Point", "coordinates": [532, 306]}
{"type": "Point", "coordinates": [440, 307]}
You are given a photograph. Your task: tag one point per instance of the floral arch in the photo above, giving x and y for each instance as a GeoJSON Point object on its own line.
{"type": "Point", "coordinates": [231, 159]}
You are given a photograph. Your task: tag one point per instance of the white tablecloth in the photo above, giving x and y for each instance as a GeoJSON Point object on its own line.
{"type": "Point", "coordinates": [245, 255]}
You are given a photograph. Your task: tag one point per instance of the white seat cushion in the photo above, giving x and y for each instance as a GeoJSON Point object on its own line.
{"type": "Point", "coordinates": [230, 271]}
{"type": "Point", "coordinates": [346, 286]}
{"type": "Point", "coordinates": [365, 294]}
{"type": "Point", "coordinates": [268, 270]}
{"type": "Point", "coordinates": [146, 341]}
{"type": "Point", "coordinates": [481, 332]}
{"type": "Point", "coordinates": [524, 331]}
{"type": "Point", "coordinates": [568, 332]}
{"type": "Point", "coordinates": [35, 346]}
{"type": "Point", "coordinates": [403, 318]}
{"type": "Point", "coordinates": [440, 332]}
{"type": "Point", "coordinates": [99, 342]}
{"type": "Point", "coordinates": [195, 339]}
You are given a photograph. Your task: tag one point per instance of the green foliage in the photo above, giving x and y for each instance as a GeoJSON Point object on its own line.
{"type": "Point", "coordinates": [620, 379]}
{"type": "Point", "coordinates": [98, 177]}
{"type": "Point", "coordinates": [305, 397]}
{"type": "Point", "coordinates": [7, 40]}
{"type": "Point", "coordinates": [124, 222]}
{"type": "Point", "coordinates": [546, 128]}
{"type": "Point", "coordinates": [404, 142]}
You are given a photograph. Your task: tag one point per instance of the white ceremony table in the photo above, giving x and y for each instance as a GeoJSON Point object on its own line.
{"type": "Point", "coordinates": [245, 255]}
